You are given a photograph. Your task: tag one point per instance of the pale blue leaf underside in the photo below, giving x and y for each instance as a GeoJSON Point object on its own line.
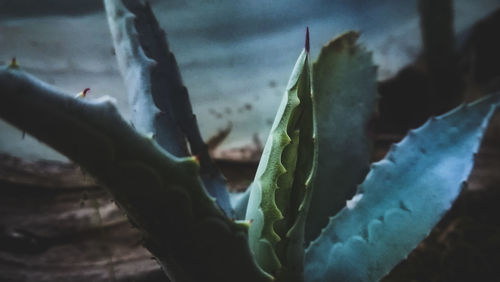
{"type": "Point", "coordinates": [239, 202]}
{"type": "Point", "coordinates": [401, 199]}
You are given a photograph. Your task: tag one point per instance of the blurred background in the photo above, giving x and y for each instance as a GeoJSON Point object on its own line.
{"type": "Point", "coordinates": [57, 224]}
{"type": "Point", "coordinates": [235, 56]}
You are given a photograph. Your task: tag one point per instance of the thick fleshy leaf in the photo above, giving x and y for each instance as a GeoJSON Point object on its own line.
{"type": "Point", "coordinates": [161, 194]}
{"type": "Point", "coordinates": [401, 199]}
{"type": "Point", "coordinates": [138, 66]}
{"type": "Point", "coordinates": [344, 84]}
{"type": "Point", "coordinates": [278, 199]}
{"type": "Point", "coordinates": [158, 98]}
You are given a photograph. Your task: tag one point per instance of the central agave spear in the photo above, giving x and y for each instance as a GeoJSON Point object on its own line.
{"type": "Point", "coordinates": [280, 196]}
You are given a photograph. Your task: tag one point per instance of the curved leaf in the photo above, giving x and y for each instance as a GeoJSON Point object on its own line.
{"type": "Point", "coordinates": [344, 84]}
{"type": "Point", "coordinates": [158, 98]}
{"type": "Point", "coordinates": [401, 199]}
{"type": "Point", "coordinates": [161, 194]}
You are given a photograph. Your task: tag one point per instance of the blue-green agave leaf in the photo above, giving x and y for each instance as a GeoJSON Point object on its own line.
{"type": "Point", "coordinates": [239, 202]}
{"type": "Point", "coordinates": [158, 98]}
{"type": "Point", "coordinates": [401, 199]}
{"type": "Point", "coordinates": [139, 67]}
{"type": "Point", "coordinates": [344, 85]}
{"type": "Point", "coordinates": [162, 195]}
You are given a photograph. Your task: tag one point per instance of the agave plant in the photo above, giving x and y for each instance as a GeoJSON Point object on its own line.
{"type": "Point", "coordinates": [304, 218]}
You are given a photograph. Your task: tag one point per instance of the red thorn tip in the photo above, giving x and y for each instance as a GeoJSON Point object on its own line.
{"type": "Point", "coordinates": [196, 158]}
{"type": "Point", "coordinates": [85, 91]}
{"type": "Point", "coordinates": [307, 39]}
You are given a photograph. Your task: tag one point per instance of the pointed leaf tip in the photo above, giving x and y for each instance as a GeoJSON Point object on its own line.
{"type": "Point", "coordinates": [83, 94]}
{"type": "Point", "coordinates": [307, 39]}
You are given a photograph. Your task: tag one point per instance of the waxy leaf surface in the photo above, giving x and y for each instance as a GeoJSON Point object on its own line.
{"type": "Point", "coordinates": [401, 199]}
{"type": "Point", "coordinates": [344, 85]}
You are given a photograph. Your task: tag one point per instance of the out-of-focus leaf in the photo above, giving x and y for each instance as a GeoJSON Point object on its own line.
{"type": "Point", "coordinates": [239, 201]}
{"type": "Point", "coordinates": [344, 85]}
{"type": "Point", "coordinates": [159, 100]}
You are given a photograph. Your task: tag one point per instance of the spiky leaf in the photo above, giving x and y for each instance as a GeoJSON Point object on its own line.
{"type": "Point", "coordinates": [344, 84]}
{"type": "Point", "coordinates": [278, 199]}
{"type": "Point", "coordinates": [162, 195]}
{"type": "Point", "coordinates": [158, 98]}
{"type": "Point", "coordinates": [401, 199]}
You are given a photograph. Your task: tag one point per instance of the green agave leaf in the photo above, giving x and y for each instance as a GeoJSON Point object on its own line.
{"type": "Point", "coordinates": [161, 194]}
{"type": "Point", "coordinates": [401, 199]}
{"type": "Point", "coordinates": [344, 83]}
{"type": "Point", "coordinates": [278, 198]}
{"type": "Point", "coordinates": [158, 98]}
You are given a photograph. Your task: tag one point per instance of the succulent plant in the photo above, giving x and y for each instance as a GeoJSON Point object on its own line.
{"type": "Point", "coordinates": [308, 215]}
